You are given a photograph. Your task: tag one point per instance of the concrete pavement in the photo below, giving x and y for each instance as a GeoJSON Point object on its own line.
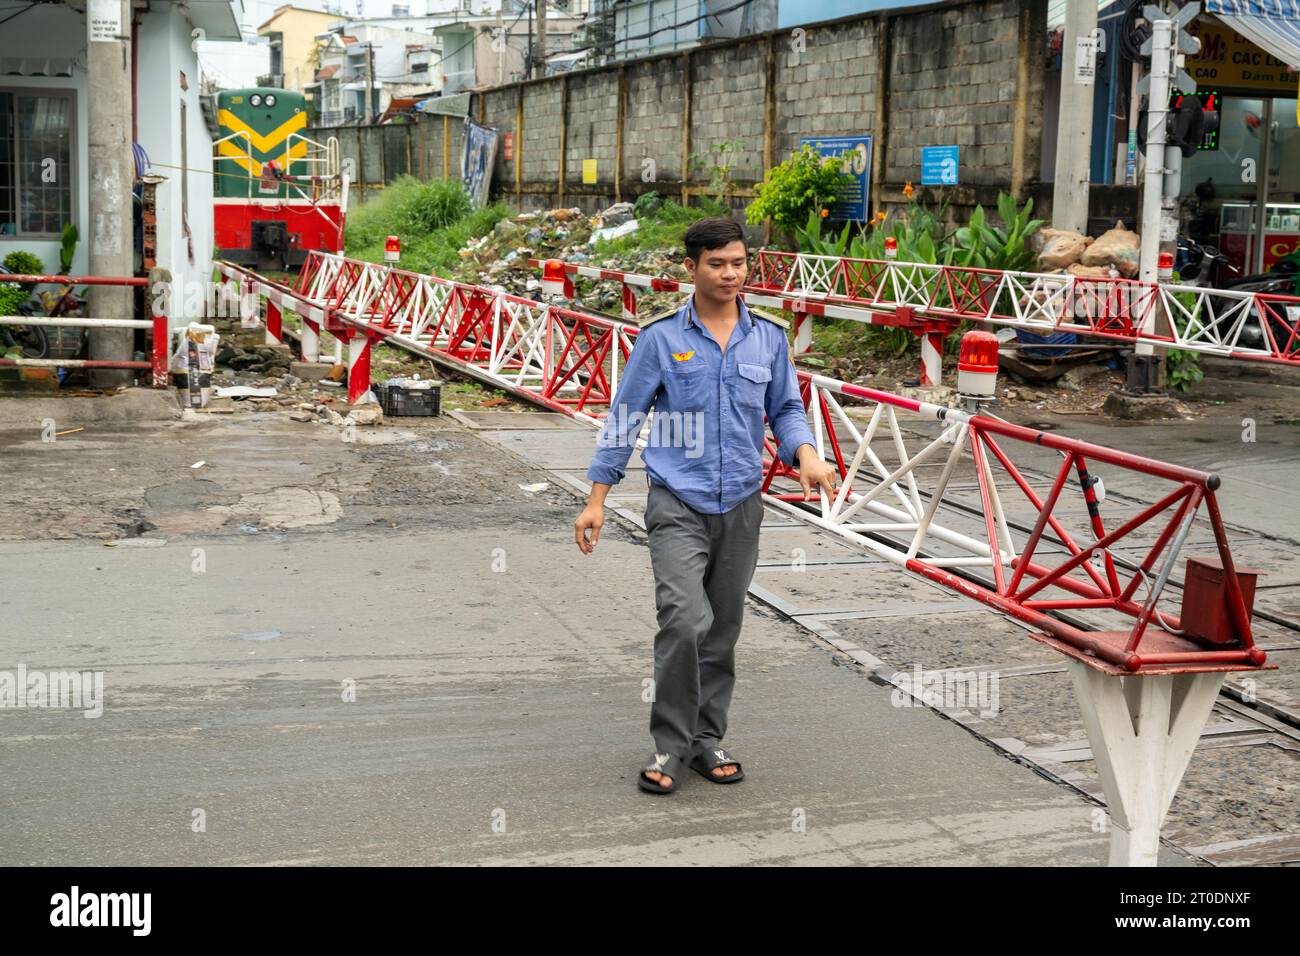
{"type": "Point", "coordinates": [431, 673]}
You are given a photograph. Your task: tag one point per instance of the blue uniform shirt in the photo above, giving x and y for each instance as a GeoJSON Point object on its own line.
{"type": "Point", "coordinates": [706, 439]}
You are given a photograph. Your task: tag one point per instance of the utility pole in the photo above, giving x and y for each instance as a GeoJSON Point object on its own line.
{"type": "Point", "coordinates": [370, 82]}
{"type": "Point", "coordinates": [540, 61]}
{"type": "Point", "coordinates": [499, 41]}
{"type": "Point", "coordinates": [528, 59]}
{"type": "Point", "coordinates": [1161, 178]}
{"type": "Point", "coordinates": [112, 175]}
{"type": "Point", "coordinates": [1074, 128]}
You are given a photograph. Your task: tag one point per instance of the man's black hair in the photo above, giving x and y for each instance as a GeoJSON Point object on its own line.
{"type": "Point", "coordinates": [712, 233]}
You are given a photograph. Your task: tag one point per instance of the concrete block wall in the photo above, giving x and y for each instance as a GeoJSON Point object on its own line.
{"type": "Point", "coordinates": [652, 125]}
{"type": "Point", "coordinates": [825, 82]}
{"type": "Point", "coordinates": [951, 78]}
{"type": "Point", "coordinates": [541, 139]}
{"type": "Point", "coordinates": [953, 81]}
{"type": "Point", "coordinates": [727, 105]}
{"type": "Point", "coordinates": [593, 124]}
{"type": "Point", "coordinates": [429, 147]}
{"type": "Point", "coordinates": [499, 113]}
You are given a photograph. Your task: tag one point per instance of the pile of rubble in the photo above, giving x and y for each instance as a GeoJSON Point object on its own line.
{"type": "Point", "coordinates": [499, 259]}
{"type": "Point", "coordinates": [321, 412]}
{"type": "Point", "coordinates": [239, 354]}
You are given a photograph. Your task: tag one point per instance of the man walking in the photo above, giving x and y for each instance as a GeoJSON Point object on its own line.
{"type": "Point", "coordinates": [711, 371]}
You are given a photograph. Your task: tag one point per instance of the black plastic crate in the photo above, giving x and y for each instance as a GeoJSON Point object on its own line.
{"type": "Point", "coordinates": [404, 401]}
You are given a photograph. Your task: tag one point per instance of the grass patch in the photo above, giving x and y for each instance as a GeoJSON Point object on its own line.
{"type": "Point", "coordinates": [435, 220]}
{"type": "Point", "coordinates": [861, 342]}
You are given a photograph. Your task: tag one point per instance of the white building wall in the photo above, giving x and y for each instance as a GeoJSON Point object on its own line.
{"type": "Point", "coordinates": [165, 51]}
{"type": "Point", "coordinates": [53, 33]}
{"type": "Point", "coordinates": [58, 33]}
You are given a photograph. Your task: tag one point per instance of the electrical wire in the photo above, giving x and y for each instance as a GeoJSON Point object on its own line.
{"type": "Point", "coordinates": [473, 37]}
{"type": "Point", "coordinates": [1130, 36]}
{"type": "Point", "coordinates": [673, 26]}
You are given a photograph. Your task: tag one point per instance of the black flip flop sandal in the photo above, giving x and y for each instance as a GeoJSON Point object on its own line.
{"type": "Point", "coordinates": [668, 764]}
{"type": "Point", "coordinates": [706, 761]}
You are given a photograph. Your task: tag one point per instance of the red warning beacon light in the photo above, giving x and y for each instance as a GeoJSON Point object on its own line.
{"type": "Point", "coordinates": [891, 247]}
{"type": "Point", "coordinates": [555, 282]}
{"type": "Point", "coordinates": [977, 365]}
{"type": "Point", "coordinates": [1165, 266]}
{"type": "Point", "coordinates": [393, 249]}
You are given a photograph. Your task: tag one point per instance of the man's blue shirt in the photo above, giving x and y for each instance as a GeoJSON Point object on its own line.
{"type": "Point", "coordinates": [706, 440]}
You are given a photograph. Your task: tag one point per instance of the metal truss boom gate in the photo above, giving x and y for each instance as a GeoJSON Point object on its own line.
{"type": "Point", "coordinates": [932, 300]}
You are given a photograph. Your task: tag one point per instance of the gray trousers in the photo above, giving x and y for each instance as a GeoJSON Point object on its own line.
{"type": "Point", "coordinates": [702, 565]}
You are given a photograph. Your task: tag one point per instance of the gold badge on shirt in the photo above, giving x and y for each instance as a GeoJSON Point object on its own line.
{"type": "Point", "coordinates": [682, 356]}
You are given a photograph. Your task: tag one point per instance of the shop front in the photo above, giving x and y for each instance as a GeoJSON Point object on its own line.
{"type": "Point", "coordinates": [1241, 190]}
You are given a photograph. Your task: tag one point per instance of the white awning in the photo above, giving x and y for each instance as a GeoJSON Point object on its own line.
{"type": "Point", "coordinates": [35, 66]}
{"type": "Point", "coordinates": [1272, 25]}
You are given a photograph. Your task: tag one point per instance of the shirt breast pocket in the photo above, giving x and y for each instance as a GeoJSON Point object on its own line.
{"type": "Point", "coordinates": [751, 384]}
{"type": "Point", "coordinates": [684, 383]}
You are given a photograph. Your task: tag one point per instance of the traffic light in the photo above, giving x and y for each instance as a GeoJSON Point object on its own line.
{"type": "Point", "coordinates": [1192, 122]}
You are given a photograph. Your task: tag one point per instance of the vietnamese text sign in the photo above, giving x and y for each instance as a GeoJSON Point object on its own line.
{"type": "Point", "coordinates": [1085, 60]}
{"type": "Point", "coordinates": [1227, 58]}
{"type": "Point", "coordinates": [939, 165]}
{"type": "Point", "coordinates": [105, 18]}
{"type": "Point", "coordinates": [855, 155]}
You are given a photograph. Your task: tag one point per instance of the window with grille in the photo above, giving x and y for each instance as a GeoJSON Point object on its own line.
{"type": "Point", "coordinates": [36, 169]}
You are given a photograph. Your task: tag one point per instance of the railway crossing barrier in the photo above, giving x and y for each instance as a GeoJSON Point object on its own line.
{"type": "Point", "coordinates": [934, 300]}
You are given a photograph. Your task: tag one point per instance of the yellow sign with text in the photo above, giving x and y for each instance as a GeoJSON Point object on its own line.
{"type": "Point", "coordinates": [1228, 59]}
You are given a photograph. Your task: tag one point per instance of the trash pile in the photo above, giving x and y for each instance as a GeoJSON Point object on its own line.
{"type": "Point", "coordinates": [1113, 254]}
{"type": "Point", "coordinates": [499, 259]}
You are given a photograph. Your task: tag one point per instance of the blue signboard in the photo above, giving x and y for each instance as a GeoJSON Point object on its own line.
{"type": "Point", "coordinates": [938, 165]}
{"type": "Point", "coordinates": [856, 154]}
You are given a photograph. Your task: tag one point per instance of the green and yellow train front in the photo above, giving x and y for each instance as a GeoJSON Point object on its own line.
{"type": "Point", "coordinates": [277, 193]}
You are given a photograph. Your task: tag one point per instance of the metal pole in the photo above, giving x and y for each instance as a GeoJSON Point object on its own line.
{"type": "Point", "coordinates": [1154, 212]}
{"type": "Point", "coordinates": [1074, 127]}
{"type": "Point", "coordinates": [1153, 180]}
{"type": "Point", "coordinates": [112, 166]}
{"type": "Point", "coordinates": [1256, 261]}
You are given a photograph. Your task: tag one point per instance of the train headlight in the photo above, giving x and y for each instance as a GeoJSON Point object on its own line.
{"type": "Point", "coordinates": [270, 99]}
{"type": "Point", "coordinates": [255, 100]}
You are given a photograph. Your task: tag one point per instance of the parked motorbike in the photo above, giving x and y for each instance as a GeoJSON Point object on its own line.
{"type": "Point", "coordinates": [31, 339]}
{"type": "Point", "coordinates": [1198, 266]}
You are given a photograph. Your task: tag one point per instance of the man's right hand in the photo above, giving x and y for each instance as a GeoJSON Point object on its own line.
{"type": "Point", "coordinates": [592, 517]}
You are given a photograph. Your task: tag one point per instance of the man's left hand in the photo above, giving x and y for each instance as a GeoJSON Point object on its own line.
{"type": "Point", "coordinates": [814, 470]}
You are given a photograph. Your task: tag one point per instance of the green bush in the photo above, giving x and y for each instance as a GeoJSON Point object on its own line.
{"type": "Point", "coordinates": [435, 221]}
{"type": "Point", "coordinates": [12, 295]}
{"type": "Point", "coordinates": [24, 263]}
{"type": "Point", "coordinates": [1183, 368]}
{"type": "Point", "coordinates": [804, 184]}
{"type": "Point", "coordinates": [983, 246]}
{"type": "Point", "coordinates": [68, 248]}
{"type": "Point", "coordinates": [647, 204]}
{"type": "Point", "coordinates": [408, 208]}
